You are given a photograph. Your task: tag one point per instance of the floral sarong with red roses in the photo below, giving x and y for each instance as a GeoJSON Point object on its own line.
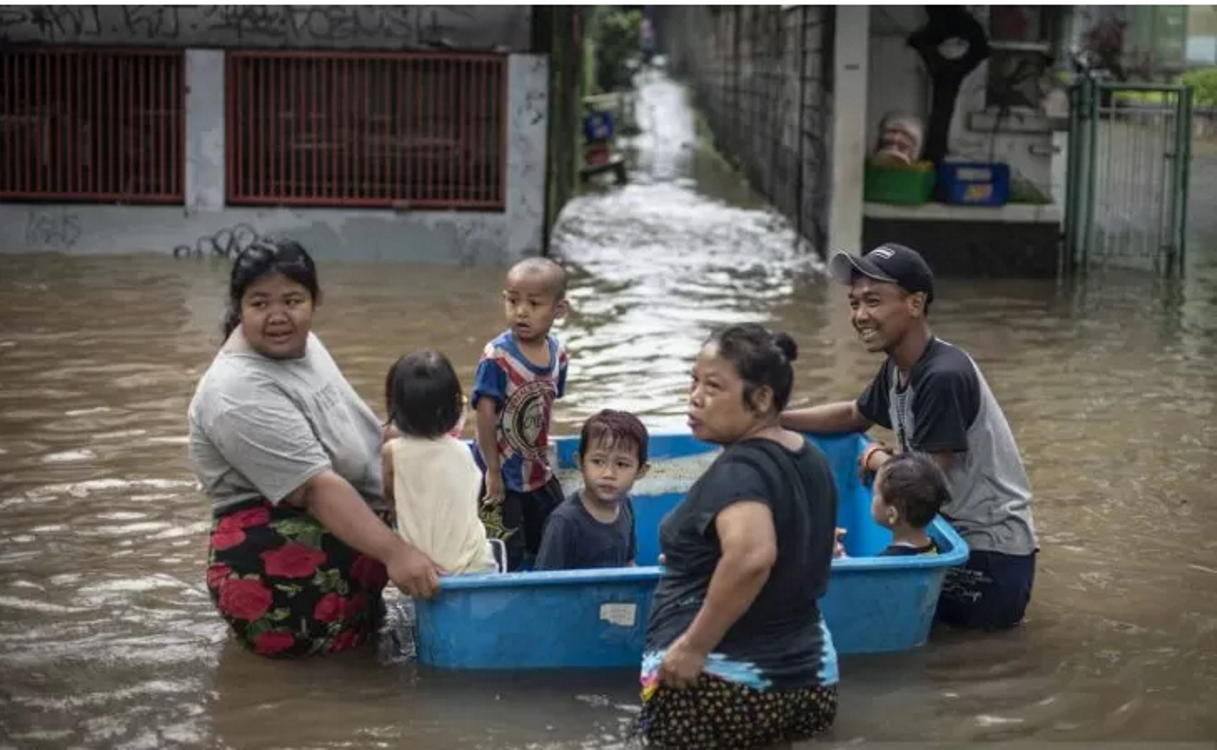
{"type": "Point", "coordinates": [286, 585]}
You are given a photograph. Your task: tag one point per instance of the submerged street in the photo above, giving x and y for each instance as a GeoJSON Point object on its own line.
{"type": "Point", "coordinates": [108, 639]}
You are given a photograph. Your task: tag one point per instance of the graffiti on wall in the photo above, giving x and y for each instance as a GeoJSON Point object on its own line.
{"type": "Point", "coordinates": [58, 23]}
{"type": "Point", "coordinates": [226, 243]}
{"type": "Point", "coordinates": [341, 23]}
{"type": "Point", "coordinates": [52, 22]}
{"type": "Point", "coordinates": [51, 229]}
{"type": "Point", "coordinates": [273, 26]}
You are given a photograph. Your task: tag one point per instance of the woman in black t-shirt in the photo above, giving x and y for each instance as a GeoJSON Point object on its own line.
{"type": "Point", "coordinates": [737, 654]}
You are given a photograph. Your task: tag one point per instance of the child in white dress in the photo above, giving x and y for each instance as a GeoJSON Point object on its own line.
{"type": "Point", "coordinates": [431, 477]}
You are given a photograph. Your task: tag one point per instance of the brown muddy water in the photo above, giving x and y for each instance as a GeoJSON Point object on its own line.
{"type": "Point", "coordinates": [108, 639]}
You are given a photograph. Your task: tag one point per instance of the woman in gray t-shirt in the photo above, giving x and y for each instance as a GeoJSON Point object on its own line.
{"type": "Point", "coordinates": [289, 455]}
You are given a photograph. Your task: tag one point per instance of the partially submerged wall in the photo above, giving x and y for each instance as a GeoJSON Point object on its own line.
{"type": "Point", "coordinates": [205, 225]}
{"type": "Point", "coordinates": [762, 78]}
{"type": "Point", "coordinates": [204, 221]}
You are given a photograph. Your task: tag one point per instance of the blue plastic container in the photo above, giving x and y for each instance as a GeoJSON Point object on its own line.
{"type": "Point", "coordinates": [597, 126]}
{"type": "Point", "coordinates": [597, 618]}
{"type": "Point", "coordinates": [974, 183]}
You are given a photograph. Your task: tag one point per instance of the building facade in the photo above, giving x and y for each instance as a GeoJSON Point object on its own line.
{"type": "Point", "coordinates": [365, 132]}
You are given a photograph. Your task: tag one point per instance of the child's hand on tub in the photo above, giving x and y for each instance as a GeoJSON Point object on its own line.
{"type": "Point", "coordinates": [838, 549]}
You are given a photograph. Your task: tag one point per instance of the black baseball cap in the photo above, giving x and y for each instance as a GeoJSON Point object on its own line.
{"type": "Point", "coordinates": [890, 262]}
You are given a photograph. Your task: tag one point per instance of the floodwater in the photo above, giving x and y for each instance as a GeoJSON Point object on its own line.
{"type": "Point", "coordinates": [108, 639]}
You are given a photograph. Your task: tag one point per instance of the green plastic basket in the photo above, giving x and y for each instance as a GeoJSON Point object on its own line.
{"type": "Point", "coordinates": [901, 186]}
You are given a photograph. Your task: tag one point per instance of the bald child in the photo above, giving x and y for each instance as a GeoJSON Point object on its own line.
{"type": "Point", "coordinates": [520, 374]}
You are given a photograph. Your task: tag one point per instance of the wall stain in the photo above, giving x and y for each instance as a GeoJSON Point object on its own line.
{"type": "Point", "coordinates": [53, 229]}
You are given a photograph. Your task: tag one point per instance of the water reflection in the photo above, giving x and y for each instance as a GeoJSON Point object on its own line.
{"type": "Point", "coordinates": [107, 637]}
{"type": "Point", "coordinates": [661, 262]}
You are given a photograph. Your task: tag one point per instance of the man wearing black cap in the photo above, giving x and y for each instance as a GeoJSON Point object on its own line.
{"type": "Point", "coordinates": [934, 397]}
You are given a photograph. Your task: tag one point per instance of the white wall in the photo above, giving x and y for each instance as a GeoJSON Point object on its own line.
{"type": "Point", "coordinates": [1029, 154]}
{"type": "Point", "coordinates": [849, 141]}
{"type": "Point", "coordinates": [1202, 50]}
{"type": "Point", "coordinates": [897, 82]}
{"type": "Point", "coordinates": [205, 222]}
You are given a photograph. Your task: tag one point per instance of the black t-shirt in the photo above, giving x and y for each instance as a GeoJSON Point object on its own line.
{"type": "Point", "coordinates": [574, 539]}
{"type": "Point", "coordinates": [780, 640]}
{"type": "Point", "coordinates": [935, 409]}
{"type": "Point", "coordinates": [903, 550]}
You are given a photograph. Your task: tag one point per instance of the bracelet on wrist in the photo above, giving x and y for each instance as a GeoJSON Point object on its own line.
{"type": "Point", "coordinates": [866, 454]}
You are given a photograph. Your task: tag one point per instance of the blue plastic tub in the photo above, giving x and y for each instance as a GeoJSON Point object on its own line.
{"type": "Point", "coordinates": [597, 618]}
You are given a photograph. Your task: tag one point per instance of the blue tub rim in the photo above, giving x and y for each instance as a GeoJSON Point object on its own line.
{"type": "Point", "coordinates": [668, 444]}
{"type": "Point", "coordinates": [940, 530]}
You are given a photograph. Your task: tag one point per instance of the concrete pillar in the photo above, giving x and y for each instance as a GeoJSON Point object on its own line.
{"type": "Point", "coordinates": [1060, 167]}
{"type": "Point", "coordinates": [848, 127]}
{"type": "Point", "coordinates": [204, 168]}
{"type": "Point", "coordinates": [527, 134]}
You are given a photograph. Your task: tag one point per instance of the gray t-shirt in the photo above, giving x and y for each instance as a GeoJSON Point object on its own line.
{"type": "Point", "coordinates": [947, 407]}
{"type": "Point", "coordinates": [261, 427]}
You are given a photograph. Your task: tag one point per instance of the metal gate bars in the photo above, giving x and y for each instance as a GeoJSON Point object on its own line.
{"type": "Point", "coordinates": [1126, 190]}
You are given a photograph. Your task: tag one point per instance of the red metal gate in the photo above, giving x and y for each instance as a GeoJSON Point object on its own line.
{"type": "Point", "coordinates": [404, 129]}
{"type": "Point", "coordinates": [90, 124]}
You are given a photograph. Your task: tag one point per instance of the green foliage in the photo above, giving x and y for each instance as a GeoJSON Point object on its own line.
{"type": "Point", "coordinates": [1204, 85]}
{"type": "Point", "coordinates": [614, 35]}
{"type": "Point", "coordinates": [1024, 191]}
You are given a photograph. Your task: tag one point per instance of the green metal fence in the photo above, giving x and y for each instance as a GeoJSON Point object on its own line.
{"type": "Point", "coordinates": [1126, 194]}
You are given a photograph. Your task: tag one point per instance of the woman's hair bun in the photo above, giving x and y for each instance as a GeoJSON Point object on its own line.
{"type": "Point", "coordinates": [786, 345]}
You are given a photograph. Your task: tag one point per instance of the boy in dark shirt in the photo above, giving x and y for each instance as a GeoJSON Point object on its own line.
{"type": "Point", "coordinates": [594, 527]}
{"type": "Point", "coordinates": [909, 491]}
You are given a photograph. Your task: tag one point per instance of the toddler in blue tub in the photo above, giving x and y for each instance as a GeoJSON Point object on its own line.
{"type": "Point", "coordinates": [909, 491]}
